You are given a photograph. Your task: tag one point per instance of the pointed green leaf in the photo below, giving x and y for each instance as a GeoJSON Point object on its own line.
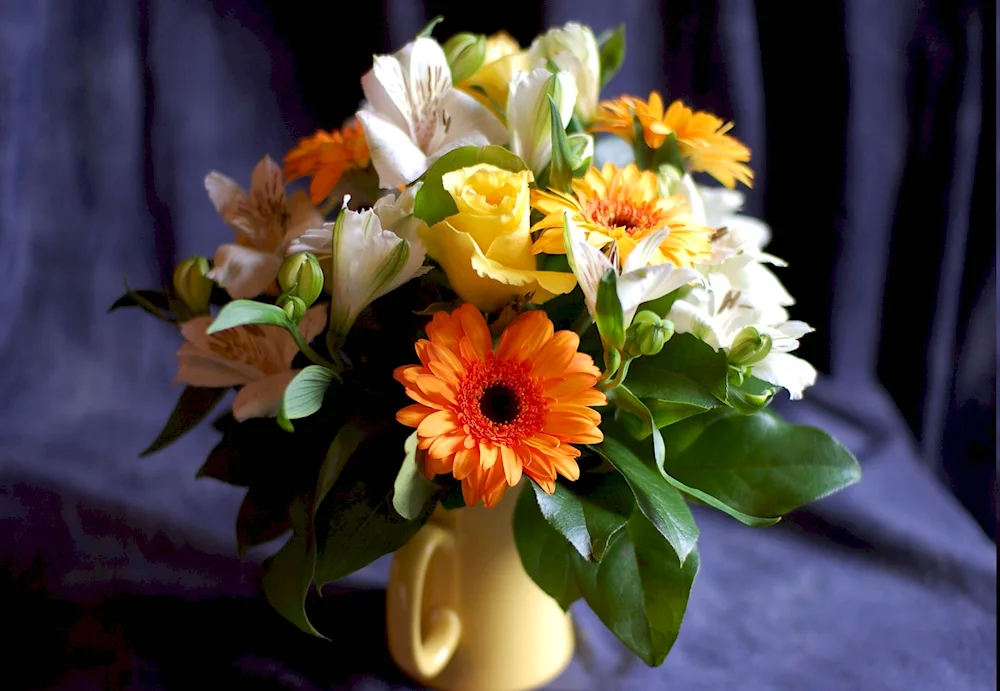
{"type": "Point", "coordinates": [685, 356]}
{"type": "Point", "coordinates": [428, 29]}
{"type": "Point", "coordinates": [564, 511]}
{"type": "Point", "coordinates": [612, 52]}
{"type": "Point", "coordinates": [242, 312]}
{"type": "Point", "coordinates": [658, 501]}
{"type": "Point", "coordinates": [304, 394]}
{"type": "Point", "coordinates": [433, 203]}
{"type": "Point", "coordinates": [763, 466]}
{"type": "Point", "coordinates": [158, 299]}
{"type": "Point", "coordinates": [609, 317]}
{"type": "Point", "coordinates": [262, 517]}
{"type": "Point", "coordinates": [545, 554]}
{"type": "Point", "coordinates": [639, 590]}
{"type": "Point", "coordinates": [411, 490]}
{"type": "Point", "coordinates": [193, 406]}
{"type": "Point", "coordinates": [290, 572]}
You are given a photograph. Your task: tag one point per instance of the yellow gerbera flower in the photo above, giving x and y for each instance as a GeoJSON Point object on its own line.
{"type": "Point", "coordinates": [701, 136]}
{"type": "Point", "coordinates": [618, 208]}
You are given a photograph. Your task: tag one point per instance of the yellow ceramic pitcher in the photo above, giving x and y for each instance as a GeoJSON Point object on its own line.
{"type": "Point", "coordinates": [462, 613]}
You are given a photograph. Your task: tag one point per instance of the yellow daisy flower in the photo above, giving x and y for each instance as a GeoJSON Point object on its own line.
{"type": "Point", "coordinates": [618, 208]}
{"type": "Point", "coordinates": [702, 137]}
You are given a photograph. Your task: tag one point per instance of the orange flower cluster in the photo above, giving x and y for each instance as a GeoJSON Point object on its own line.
{"type": "Point", "coordinates": [326, 156]}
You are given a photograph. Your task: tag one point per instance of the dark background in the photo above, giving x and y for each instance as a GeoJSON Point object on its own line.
{"type": "Point", "coordinates": [873, 131]}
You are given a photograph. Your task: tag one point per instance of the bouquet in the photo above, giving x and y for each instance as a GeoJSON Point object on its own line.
{"type": "Point", "coordinates": [499, 301]}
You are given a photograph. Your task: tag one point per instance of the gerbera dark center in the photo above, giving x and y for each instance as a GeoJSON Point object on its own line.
{"type": "Point", "coordinates": [618, 213]}
{"type": "Point", "coordinates": [499, 404]}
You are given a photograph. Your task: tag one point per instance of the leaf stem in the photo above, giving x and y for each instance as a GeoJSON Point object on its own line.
{"type": "Point", "coordinates": [582, 322]}
{"type": "Point", "coordinates": [308, 351]}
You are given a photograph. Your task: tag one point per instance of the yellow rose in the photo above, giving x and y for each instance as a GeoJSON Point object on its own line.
{"type": "Point", "coordinates": [504, 57]}
{"type": "Point", "coordinates": [485, 249]}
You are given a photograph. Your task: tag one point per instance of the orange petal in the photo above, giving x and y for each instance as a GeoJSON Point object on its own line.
{"type": "Point", "coordinates": [433, 387]}
{"type": "Point", "coordinates": [437, 423]}
{"type": "Point", "coordinates": [593, 436]}
{"type": "Point", "coordinates": [524, 336]}
{"type": "Point", "coordinates": [555, 356]}
{"type": "Point", "coordinates": [487, 454]}
{"type": "Point", "coordinates": [567, 467]}
{"type": "Point", "coordinates": [413, 415]}
{"type": "Point", "coordinates": [466, 462]}
{"type": "Point", "coordinates": [565, 424]}
{"type": "Point", "coordinates": [511, 465]}
{"type": "Point", "coordinates": [469, 493]}
{"type": "Point", "coordinates": [434, 465]}
{"type": "Point", "coordinates": [445, 446]}
{"type": "Point", "coordinates": [590, 397]}
{"type": "Point", "coordinates": [569, 385]}
{"type": "Point", "coordinates": [475, 329]}
{"type": "Point", "coordinates": [583, 363]}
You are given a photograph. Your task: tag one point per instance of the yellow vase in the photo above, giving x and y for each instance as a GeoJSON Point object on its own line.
{"type": "Point", "coordinates": [462, 613]}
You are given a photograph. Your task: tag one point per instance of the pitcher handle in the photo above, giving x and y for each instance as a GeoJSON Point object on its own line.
{"type": "Point", "coordinates": [427, 655]}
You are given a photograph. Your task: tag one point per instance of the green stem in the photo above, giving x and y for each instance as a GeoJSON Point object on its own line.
{"type": "Point", "coordinates": [308, 351]}
{"type": "Point", "coordinates": [618, 378]}
{"type": "Point", "coordinates": [582, 322]}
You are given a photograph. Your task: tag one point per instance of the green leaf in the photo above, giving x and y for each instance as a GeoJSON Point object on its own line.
{"type": "Point", "coordinates": [685, 356]}
{"type": "Point", "coordinates": [643, 417]}
{"type": "Point", "coordinates": [564, 511]}
{"type": "Point", "coordinates": [428, 30]}
{"type": "Point", "coordinates": [289, 573]}
{"type": "Point", "coordinates": [158, 299]}
{"type": "Point", "coordinates": [304, 394]}
{"type": "Point", "coordinates": [561, 166]}
{"type": "Point", "coordinates": [262, 517]}
{"type": "Point", "coordinates": [193, 406]}
{"type": "Point", "coordinates": [607, 503]}
{"type": "Point", "coordinates": [752, 396]}
{"type": "Point", "coordinates": [545, 554]}
{"type": "Point", "coordinates": [669, 154]}
{"type": "Point", "coordinates": [411, 490]}
{"type": "Point", "coordinates": [609, 317]}
{"type": "Point", "coordinates": [639, 590]}
{"type": "Point", "coordinates": [658, 501]}
{"type": "Point", "coordinates": [432, 203]}
{"type": "Point", "coordinates": [668, 395]}
{"type": "Point", "coordinates": [359, 523]}
{"type": "Point", "coordinates": [763, 466]}
{"type": "Point", "coordinates": [612, 52]}
{"type": "Point", "coordinates": [242, 312]}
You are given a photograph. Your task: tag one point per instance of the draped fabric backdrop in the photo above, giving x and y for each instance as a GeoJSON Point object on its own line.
{"type": "Point", "coordinates": [872, 126]}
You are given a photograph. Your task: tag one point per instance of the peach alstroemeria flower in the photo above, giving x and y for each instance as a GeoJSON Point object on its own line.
{"type": "Point", "coordinates": [256, 358]}
{"type": "Point", "coordinates": [265, 221]}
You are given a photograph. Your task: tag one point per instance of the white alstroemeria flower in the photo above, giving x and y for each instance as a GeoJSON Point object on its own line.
{"type": "Point", "coordinates": [573, 48]}
{"type": "Point", "coordinates": [264, 221]}
{"type": "Point", "coordinates": [636, 282]}
{"type": "Point", "coordinates": [412, 115]}
{"type": "Point", "coordinates": [716, 314]}
{"type": "Point", "coordinates": [256, 358]}
{"type": "Point", "coordinates": [528, 113]}
{"type": "Point", "coordinates": [367, 261]}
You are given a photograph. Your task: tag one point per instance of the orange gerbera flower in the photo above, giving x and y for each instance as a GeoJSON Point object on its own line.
{"type": "Point", "coordinates": [618, 208]}
{"type": "Point", "coordinates": [326, 156]}
{"type": "Point", "coordinates": [701, 136]}
{"type": "Point", "coordinates": [486, 415]}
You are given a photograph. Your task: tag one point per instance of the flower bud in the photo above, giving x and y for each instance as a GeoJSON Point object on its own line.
{"type": "Point", "coordinates": [465, 53]}
{"type": "Point", "coordinates": [294, 308]}
{"type": "Point", "coordinates": [192, 285]}
{"type": "Point", "coordinates": [301, 276]}
{"type": "Point", "coordinates": [749, 347]}
{"type": "Point", "coordinates": [648, 333]}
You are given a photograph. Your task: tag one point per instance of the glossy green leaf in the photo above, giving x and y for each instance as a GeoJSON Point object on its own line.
{"type": "Point", "coordinates": [262, 517]}
{"type": "Point", "coordinates": [304, 394]}
{"type": "Point", "coordinates": [658, 501]}
{"type": "Point", "coordinates": [561, 165]}
{"type": "Point", "coordinates": [564, 512]}
{"type": "Point", "coordinates": [432, 203]}
{"type": "Point", "coordinates": [612, 52]}
{"type": "Point", "coordinates": [639, 590]}
{"type": "Point", "coordinates": [607, 504]}
{"type": "Point", "coordinates": [609, 317]}
{"type": "Point", "coordinates": [545, 554]}
{"type": "Point", "coordinates": [686, 356]}
{"type": "Point", "coordinates": [290, 572]}
{"type": "Point", "coordinates": [762, 466]}
{"type": "Point", "coordinates": [358, 523]}
{"type": "Point", "coordinates": [193, 406]}
{"type": "Point", "coordinates": [411, 490]}
{"type": "Point", "coordinates": [242, 312]}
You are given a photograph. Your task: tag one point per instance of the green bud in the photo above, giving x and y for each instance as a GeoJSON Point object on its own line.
{"type": "Point", "coordinates": [301, 276]}
{"type": "Point", "coordinates": [192, 285]}
{"type": "Point", "coordinates": [736, 375]}
{"type": "Point", "coordinates": [294, 308]}
{"type": "Point", "coordinates": [648, 333]}
{"type": "Point", "coordinates": [749, 347]}
{"type": "Point", "coordinates": [465, 53]}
